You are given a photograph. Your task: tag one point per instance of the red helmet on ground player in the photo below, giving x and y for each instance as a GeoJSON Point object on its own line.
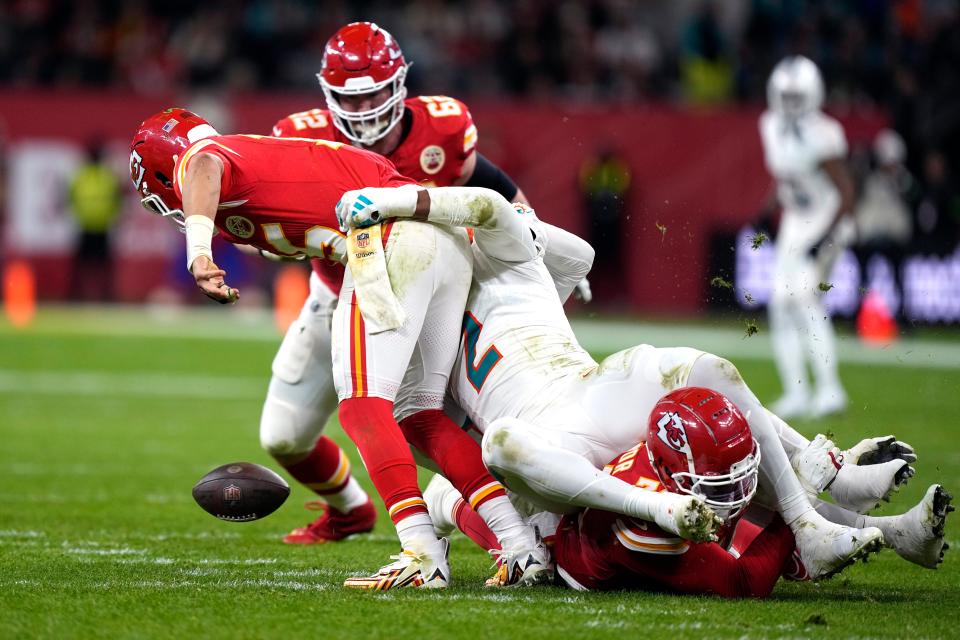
{"type": "Point", "coordinates": [158, 142]}
{"type": "Point", "coordinates": [363, 59]}
{"type": "Point", "coordinates": [700, 444]}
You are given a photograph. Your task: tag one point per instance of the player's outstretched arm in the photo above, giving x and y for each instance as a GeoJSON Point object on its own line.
{"type": "Point", "coordinates": [502, 231]}
{"type": "Point", "coordinates": [568, 258]}
{"type": "Point", "coordinates": [201, 196]}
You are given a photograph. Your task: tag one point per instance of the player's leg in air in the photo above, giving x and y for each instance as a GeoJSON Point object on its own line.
{"type": "Point", "coordinates": [300, 400]}
{"type": "Point", "coordinates": [429, 268]}
{"type": "Point", "coordinates": [825, 548]}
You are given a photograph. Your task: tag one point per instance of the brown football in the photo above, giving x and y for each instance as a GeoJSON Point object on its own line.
{"type": "Point", "coordinates": [241, 492]}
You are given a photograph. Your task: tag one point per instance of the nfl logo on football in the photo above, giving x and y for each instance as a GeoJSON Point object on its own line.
{"type": "Point", "coordinates": [231, 493]}
{"type": "Point", "coordinates": [363, 240]}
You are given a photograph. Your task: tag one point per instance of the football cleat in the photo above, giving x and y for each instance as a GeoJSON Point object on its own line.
{"type": "Point", "coordinates": [690, 518]}
{"type": "Point", "coordinates": [524, 568]}
{"type": "Point", "coordinates": [917, 535]}
{"type": "Point", "coordinates": [826, 549]}
{"type": "Point", "coordinates": [817, 465]}
{"type": "Point", "coordinates": [410, 569]}
{"type": "Point", "coordinates": [879, 450]}
{"type": "Point", "coordinates": [333, 525]}
{"type": "Point", "coordinates": [861, 488]}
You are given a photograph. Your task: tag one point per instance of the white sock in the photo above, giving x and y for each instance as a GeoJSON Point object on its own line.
{"type": "Point", "coordinates": [506, 524]}
{"type": "Point", "coordinates": [416, 534]}
{"type": "Point", "coordinates": [348, 499]}
{"type": "Point", "coordinates": [839, 515]}
{"type": "Point", "coordinates": [793, 441]}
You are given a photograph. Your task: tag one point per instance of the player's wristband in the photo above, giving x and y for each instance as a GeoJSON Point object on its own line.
{"type": "Point", "coordinates": [199, 230]}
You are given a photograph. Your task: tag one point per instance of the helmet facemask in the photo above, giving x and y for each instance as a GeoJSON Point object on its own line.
{"type": "Point", "coordinates": [727, 494]}
{"type": "Point", "coordinates": [368, 126]}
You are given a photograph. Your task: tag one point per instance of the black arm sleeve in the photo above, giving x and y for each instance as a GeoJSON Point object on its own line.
{"type": "Point", "coordinates": [486, 174]}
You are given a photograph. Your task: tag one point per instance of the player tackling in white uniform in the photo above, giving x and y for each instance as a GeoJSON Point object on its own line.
{"type": "Point", "coordinates": [552, 417]}
{"type": "Point", "coordinates": [805, 152]}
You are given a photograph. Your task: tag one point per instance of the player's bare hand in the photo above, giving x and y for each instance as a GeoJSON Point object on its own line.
{"type": "Point", "coordinates": [210, 278]}
{"type": "Point", "coordinates": [880, 450]}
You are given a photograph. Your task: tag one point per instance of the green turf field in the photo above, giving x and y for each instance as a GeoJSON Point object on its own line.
{"type": "Point", "coordinates": [106, 424]}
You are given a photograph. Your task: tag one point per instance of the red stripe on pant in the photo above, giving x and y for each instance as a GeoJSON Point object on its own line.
{"type": "Point", "coordinates": [370, 424]}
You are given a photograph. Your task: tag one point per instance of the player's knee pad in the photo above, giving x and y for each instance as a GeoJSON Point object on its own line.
{"type": "Point", "coordinates": [287, 430]}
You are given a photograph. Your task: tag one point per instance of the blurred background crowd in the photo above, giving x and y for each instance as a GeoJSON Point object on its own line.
{"type": "Point", "coordinates": [893, 62]}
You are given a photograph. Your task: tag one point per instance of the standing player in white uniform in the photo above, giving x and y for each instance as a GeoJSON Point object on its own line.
{"type": "Point", "coordinates": [552, 417]}
{"type": "Point", "coordinates": [805, 152]}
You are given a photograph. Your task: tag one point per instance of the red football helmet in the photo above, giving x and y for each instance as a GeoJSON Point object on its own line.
{"type": "Point", "coordinates": [700, 444]}
{"type": "Point", "coordinates": [361, 58]}
{"type": "Point", "coordinates": [158, 142]}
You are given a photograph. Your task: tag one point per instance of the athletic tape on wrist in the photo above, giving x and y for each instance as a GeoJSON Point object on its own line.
{"type": "Point", "coordinates": [199, 230]}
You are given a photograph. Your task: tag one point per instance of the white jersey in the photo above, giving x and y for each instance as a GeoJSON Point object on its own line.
{"type": "Point", "coordinates": [794, 150]}
{"type": "Point", "coordinates": [517, 343]}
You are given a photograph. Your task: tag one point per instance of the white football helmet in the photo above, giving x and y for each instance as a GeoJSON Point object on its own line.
{"type": "Point", "coordinates": [795, 87]}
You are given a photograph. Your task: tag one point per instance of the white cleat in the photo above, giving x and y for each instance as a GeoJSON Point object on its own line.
{"type": "Point", "coordinates": [828, 402]}
{"type": "Point", "coordinates": [411, 569]}
{"type": "Point", "coordinates": [689, 518]}
{"type": "Point", "coordinates": [817, 465]}
{"type": "Point", "coordinates": [917, 535]}
{"type": "Point", "coordinates": [792, 405]}
{"type": "Point", "coordinates": [862, 488]}
{"type": "Point", "coordinates": [826, 549]}
{"type": "Point", "coordinates": [522, 568]}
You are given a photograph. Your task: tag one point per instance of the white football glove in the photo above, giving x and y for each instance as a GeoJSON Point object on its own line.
{"type": "Point", "coordinates": [355, 209]}
{"type": "Point", "coordinates": [582, 291]}
{"type": "Point", "coordinates": [372, 205]}
{"type": "Point", "coordinates": [880, 450]}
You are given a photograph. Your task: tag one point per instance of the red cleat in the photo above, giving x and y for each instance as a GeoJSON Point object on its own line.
{"type": "Point", "coordinates": [332, 525]}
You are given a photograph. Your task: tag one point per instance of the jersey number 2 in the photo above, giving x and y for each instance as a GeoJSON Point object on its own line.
{"type": "Point", "coordinates": [477, 372]}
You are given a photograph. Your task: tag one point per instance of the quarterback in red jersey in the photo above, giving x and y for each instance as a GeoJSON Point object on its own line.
{"type": "Point", "coordinates": [279, 195]}
{"type": "Point", "coordinates": [430, 139]}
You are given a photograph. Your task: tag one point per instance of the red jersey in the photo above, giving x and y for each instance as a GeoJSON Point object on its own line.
{"type": "Point", "coordinates": [602, 550]}
{"type": "Point", "coordinates": [441, 138]}
{"type": "Point", "coordinates": [279, 194]}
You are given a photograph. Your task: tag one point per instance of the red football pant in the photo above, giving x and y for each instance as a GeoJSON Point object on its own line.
{"type": "Point", "coordinates": [456, 454]}
{"type": "Point", "coordinates": [370, 424]}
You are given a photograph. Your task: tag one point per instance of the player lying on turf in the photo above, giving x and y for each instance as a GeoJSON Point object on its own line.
{"type": "Point", "coordinates": [279, 195]}
{"type": "Point", "coordinates": [552, 417]}
{"type": "Point", "coordinates": [431, 139]}
{"type": "Point", "coordinates": [700, 443]}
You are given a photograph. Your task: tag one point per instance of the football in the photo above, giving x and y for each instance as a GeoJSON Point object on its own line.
{"type": "Point", "coordinates": [241, 492]}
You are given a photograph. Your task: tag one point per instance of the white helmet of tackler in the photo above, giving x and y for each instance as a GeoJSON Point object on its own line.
{"type": "Point", "coordinates": [795, 87]}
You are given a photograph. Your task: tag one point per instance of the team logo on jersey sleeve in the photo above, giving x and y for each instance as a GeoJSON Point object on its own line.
{"type": "Point", "coordinates": [239, 226]}
{"type": "Point", "coordinates": [432, 159]}
{"type": "Point", "coordinates": [670, 430]}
